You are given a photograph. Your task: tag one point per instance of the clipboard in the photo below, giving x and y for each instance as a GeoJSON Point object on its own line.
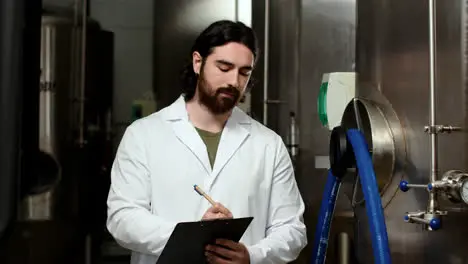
{"type": "Point", "coordinates": [188, 240]}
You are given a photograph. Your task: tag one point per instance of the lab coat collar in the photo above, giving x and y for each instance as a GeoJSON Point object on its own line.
{"type": "Point", "coordinates": [177, 111]}
{"type": "Point", "coordinates": [235, 132]}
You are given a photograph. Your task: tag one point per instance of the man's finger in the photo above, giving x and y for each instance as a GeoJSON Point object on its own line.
{"type": "Point", "coordinates": [221, 216]}
{"type": "Point", "coordinates": [215, 209]}
{"type": "Point", "coordinates": [213, 259]}
{"type": "Point", "coordinates": [221, 251]}
{"type": "Point", "coordinates": [229, 244]}
{"type": "Point", "coordinates": [220, 208]}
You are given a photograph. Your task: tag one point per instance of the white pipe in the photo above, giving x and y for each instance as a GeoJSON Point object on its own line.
{"type": "Point", "coordinates": [265, 66]}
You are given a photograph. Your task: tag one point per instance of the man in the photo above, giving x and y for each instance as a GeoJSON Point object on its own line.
{"type": "Point", "coordinates": [204, 139]}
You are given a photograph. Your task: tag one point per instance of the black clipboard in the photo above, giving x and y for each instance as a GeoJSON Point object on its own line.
{"type": "Point", "coordinates": [188, 240]}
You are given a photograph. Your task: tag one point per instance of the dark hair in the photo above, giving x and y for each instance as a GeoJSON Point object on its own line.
{"type": "Point", "coordinates": [217, 34]}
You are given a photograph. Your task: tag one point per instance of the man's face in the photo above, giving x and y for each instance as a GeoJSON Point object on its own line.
{"type": "Point", "coordinates": [223, 76]}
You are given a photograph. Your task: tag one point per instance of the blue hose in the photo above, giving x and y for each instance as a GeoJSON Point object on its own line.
{"type": "Point", "coordinates": [325, 216]}
{"type": "Point", "coordinates": [373, 205]}
{"type": "Point", "coordinates": [372, 197]}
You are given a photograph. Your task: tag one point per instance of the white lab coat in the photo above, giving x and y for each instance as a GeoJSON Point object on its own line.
{"type": "Point", "coordinates": [162, 156]}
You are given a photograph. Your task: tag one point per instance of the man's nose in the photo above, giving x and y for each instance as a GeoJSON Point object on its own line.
{"type": "Point", "coordinates": [234, 79]}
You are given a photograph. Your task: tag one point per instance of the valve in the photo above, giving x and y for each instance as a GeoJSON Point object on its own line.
{"type": "Point", "coordinates": [441, 129]}
{"type": "Point", "coordinates": [421, 217]}
{"type": "Point", "coordinates": [454, 185]}
{"type": "Point", "coordinates": [405, 186]}
{"type": "Point", "coordinates": [432, 220]}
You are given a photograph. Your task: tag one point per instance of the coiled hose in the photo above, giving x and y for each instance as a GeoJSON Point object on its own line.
{"type": "Point", "coordinates": [374, 208]}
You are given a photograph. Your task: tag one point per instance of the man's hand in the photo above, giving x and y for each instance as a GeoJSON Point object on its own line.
{"type": "Point", "coordinates": [217, 212]}
{"type": "Point", "coordinates": [227, 252]}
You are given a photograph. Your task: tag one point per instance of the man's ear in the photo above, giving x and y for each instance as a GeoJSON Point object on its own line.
{"type": "Point", "coordinates": [196, 62]}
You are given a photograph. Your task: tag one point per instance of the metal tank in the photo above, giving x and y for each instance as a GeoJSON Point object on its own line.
{"type": "Point", "coordinates": [39, 203]}
{"type": "Point", "coordinates": [75, 99]}
{"type": "Point", "coordinates": [59, 85]}
{"type": "Point", "coordinates": [63, 198]}
{"type": "Point", "coordinates": [387, 43]}
{"type": "Point", "coordinates": [403, 89]}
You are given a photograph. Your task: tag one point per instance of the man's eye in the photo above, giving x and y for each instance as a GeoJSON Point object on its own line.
{"type": "Point", "coordinates": [223, 69]}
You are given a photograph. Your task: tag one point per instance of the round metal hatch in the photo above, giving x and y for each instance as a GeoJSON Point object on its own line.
{"type": "Point", "coordinates": [371, 119]}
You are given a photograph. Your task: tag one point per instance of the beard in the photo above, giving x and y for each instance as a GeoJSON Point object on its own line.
{"type": "Point", "coordinates": [218, 101]}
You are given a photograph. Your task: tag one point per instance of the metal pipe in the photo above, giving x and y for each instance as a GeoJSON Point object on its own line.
{"type": "Point", "coordinates": [432, 206]}
{"type": "Point", "coordinates": [74, 69]}
{"type": "Point", "coordinates": [84, 10]}
{"type": "Point", "coordinates": [344, 248]}
{"type": "Point", "coordinates": [297, 58]}
{"type": "Point", "coordinates": [236, 10]}
{"type": "Point", "coordinates": [417, 186]}
{"type": "Point", "coordinates": [265, 59]}
{"type": "Point", "coordinates": [88, 249]}
{"type": "Point", "coordinates": [420, 220]}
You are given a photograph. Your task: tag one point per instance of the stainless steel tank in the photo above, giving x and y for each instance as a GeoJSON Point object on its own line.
{"type": "Point", "coordinates": [60, 106]}
{"type": "Point", "coordinates": [55, 62]}
{"type": "Point", "coordinates": [394, 91]}
{"type": "Point", "coordinates": [62, 200]}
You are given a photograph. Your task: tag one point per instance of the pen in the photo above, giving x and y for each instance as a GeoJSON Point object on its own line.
{"type": "Point", "coordinates": [202, 193]}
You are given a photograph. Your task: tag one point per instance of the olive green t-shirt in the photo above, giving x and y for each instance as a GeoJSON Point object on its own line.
{"type": "Point", "coordinates": [211, 141]}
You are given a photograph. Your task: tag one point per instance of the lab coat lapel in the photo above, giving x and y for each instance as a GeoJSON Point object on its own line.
{"type": "Point", "coordinates": [186, 133]}
{"type": "Point", "coordinates": [235, 132]}
{"type": "Point", "coordinates": [190, 138]}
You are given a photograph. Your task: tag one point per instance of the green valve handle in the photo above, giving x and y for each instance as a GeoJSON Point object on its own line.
{"type": "Point", "coordinates": [322, 104]}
